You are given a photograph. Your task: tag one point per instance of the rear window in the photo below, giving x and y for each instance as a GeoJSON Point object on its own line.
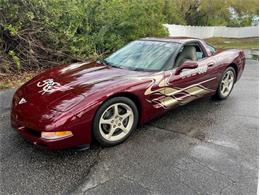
{"type": "Point", "coordinates": [212, 49]}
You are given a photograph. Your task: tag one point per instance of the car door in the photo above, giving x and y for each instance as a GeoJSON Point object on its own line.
{"type": "Point", "coordinates": [191, 79]}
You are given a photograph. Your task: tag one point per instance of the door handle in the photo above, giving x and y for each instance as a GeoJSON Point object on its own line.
{"type": "Point", "coordinates": [211, 64]}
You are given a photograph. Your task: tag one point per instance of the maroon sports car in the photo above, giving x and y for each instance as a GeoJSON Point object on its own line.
{"type": "Point", "coordinates": [70, 105]}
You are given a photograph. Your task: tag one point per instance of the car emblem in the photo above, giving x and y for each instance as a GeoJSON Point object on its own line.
{"type": "Point", "coordinates": [48, 86]}
{"type": "Point", "coordinates": [22, 101]}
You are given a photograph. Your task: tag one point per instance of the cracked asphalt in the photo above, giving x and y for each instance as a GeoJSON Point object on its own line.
{"type": "Point", "coordinates": [206, 147]}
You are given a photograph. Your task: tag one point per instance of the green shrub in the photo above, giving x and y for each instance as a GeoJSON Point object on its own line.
{"type": "Point", "coordinates": [40, 33]}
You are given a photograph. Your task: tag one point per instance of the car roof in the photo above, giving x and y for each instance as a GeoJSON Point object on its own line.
{"type": "Point", "coordinates": [171, 39]}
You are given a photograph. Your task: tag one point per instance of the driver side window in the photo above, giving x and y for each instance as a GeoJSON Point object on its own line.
{"type": "Point", "coordinates": [192, 52]}
{"type": "Point", "coordinates": [188, 52]}
{"type": "Point", "coordinates": [199, 52]}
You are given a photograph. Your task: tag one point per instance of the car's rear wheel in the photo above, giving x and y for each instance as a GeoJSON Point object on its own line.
{"type": "Point", "coordinates": [114, 121]}
{"type": "Point", "coordinates": [226, 83]}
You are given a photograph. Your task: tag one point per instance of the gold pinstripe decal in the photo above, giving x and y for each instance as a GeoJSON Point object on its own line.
{"type": "Point", "coordinates": [168, 94]}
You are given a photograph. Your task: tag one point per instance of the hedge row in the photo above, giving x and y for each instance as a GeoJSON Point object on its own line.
{"type": "Point", "coordinates": [42, 33]}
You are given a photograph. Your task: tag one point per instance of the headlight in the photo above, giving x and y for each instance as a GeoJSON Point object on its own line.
{"type": "Point", "coordinates": [56, 135]}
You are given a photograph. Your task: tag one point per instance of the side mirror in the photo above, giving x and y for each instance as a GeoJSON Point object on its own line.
{"type": "Point", "coordinates": [186, 65]}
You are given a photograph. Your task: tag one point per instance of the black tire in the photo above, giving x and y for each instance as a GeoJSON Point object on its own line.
{"type": "Point", "coordinates": [96, 131]}
{"type": "Point", "coordinates": [218, 95]}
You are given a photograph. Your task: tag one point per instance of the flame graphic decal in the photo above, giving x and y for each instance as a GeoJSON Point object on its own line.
{"type": "Point", "coordinates": [169, 96]}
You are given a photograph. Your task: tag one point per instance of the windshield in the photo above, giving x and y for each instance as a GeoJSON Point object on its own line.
{"type": "Point", "coordinates": [143, 55]}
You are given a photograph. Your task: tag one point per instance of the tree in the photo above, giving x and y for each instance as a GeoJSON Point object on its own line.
{"type": "Point", "coordinates": [243, 12]}
{"type": "Point", "coordinates": [210, 13]}
{"type": "Point", "coordinates": [40, 33]}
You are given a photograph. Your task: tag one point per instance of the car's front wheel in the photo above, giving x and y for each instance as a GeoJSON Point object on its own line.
{"type": "Point", "coordinates": [226, 83]}
{"type": "Point", "coordinates": [115, 120]}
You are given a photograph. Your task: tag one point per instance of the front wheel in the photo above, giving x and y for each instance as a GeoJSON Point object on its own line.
{"type": "Point", "coordinates": [114, 121]}
{"type": "Point", "coordinates": [226, 83]}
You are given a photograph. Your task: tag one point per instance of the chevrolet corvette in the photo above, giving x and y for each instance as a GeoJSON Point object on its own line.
{"type": "Point", "coordinates": [72, 105]}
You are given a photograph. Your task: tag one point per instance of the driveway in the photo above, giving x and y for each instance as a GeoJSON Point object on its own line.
{"type": "Point", "coordinates": [206, 147]}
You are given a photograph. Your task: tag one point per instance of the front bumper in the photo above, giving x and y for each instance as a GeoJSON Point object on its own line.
{"type": "Point", "coordinates": [33, 135]}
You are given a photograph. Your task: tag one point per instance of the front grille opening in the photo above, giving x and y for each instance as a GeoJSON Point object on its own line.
{"type": "Point", "coordinates": [33, 132]}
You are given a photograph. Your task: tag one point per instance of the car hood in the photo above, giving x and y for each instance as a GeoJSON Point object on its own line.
{"type": "Point", "coordinates": [63, 87]}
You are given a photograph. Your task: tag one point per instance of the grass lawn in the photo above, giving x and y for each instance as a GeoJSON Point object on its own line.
{"type": "Point", "coordinates": [228, 43]}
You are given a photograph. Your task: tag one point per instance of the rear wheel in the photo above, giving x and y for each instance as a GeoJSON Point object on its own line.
{"type": "Point", "coordinates": [226, 83]}
{"type": "Point", "coordinates": [114, 121]}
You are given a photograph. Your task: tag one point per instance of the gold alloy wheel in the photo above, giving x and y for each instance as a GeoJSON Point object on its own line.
{"type": "Point", "coordinates": [116, 122]}
{"type": "Point", "coordinates": [227, 83]}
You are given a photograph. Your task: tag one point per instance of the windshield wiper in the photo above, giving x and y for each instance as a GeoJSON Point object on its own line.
{"type": "Point", "coordinates": [105, 62]}
{"type": "Point", "coordinates": [109, 64]}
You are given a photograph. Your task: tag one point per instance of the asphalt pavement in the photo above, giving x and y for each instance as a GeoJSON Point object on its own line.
{"type": "Point", "coordinates": [206, 147]}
